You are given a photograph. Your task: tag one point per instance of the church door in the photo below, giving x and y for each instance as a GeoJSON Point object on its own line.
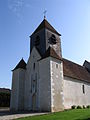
{"type": "Point", "coordinates": [34, 102]}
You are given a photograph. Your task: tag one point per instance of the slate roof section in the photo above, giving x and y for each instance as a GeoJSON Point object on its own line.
{"type": "Point", "coordinates": [51, 52]}
{"type": "Point", "coordinates": [21, 64]}
{"type": "Point", "coordinates": [76, 71]}
{"type": "Point", "coordinates": [45, 24]}
{"type": "Point", "coordinates": [87, 65]}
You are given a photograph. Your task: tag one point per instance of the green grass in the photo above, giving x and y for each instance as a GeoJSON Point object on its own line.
{"type": "Point", "coordinates": [76, 114]}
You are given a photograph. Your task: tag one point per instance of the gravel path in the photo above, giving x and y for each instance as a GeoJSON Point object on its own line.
{"type": "Point", "coordinates": [5, 114]}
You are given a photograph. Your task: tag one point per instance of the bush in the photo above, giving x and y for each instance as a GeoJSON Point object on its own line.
{"type": "Point", "coordinates": [88, 106]}
{"type": "Point", "coordinates": [84, 107]}
{"type": "Point", "coordinates": [4, 99]}
{"type": "Point", "coordinates": [79, 107]}
{"type": "Point", "coordinates": [73, 107]}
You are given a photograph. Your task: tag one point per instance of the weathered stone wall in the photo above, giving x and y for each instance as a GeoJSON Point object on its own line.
{"type": "Point", "coordinates": [17, 93]}
{"type": "Point", "coordinates": [44, 85]}
{"type": "Point", "coordinates": [73, 92]}
{"type": "Point", "coordinates": [56, 67]}
{"type": "Point", "coordinates": [31, 74]}
{"type": "Point", "coordinates": [21, 89]}
{"type": "Point", "coordinates": [14, 90]}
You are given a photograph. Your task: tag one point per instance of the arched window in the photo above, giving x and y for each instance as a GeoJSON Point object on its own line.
{"type": "Point", "coordinates": [37, 41]}
{"type": "Point", "coordinates": [53, 39]}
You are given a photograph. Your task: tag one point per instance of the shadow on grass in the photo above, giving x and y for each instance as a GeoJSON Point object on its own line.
{"type": "Point", "coordinates": [84, 119]}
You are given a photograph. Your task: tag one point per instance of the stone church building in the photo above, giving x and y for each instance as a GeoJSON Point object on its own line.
{"type": "Point", "coordinates": [49, 82]}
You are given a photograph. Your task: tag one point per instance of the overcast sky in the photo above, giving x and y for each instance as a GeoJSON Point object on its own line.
{"type": "Point", "coordinates": [19, 18]}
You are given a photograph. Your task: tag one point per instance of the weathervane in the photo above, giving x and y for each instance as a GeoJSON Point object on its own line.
{"type": "Point", "coordinates": [44, 13]}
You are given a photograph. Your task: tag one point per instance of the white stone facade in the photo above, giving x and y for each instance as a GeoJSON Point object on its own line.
{"type": "Point", "coordinates": [73, 92]}
{"type": "Point", "coordinates": [17, 93]}
{"type": "Point", "coordinates": [54, 92]}
{"type": "Point", "coordinates": [56, 67]}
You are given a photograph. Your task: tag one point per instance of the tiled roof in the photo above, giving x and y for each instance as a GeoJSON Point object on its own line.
{"type": "Point", "coordinates": [76, 71]}
{"type": "Point", "coordinates": [21, 64]}
{"type": "Point", "coordinates": [45, 24]}
{"type": "Point", "coordinates": [51, 52]}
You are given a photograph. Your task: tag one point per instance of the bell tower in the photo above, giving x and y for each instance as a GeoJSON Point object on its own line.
{"type": "Point", "coordinates": [46, 36]}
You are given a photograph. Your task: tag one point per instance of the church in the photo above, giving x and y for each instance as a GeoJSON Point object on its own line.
{"type": "Point", "coordinates": [49, 82]}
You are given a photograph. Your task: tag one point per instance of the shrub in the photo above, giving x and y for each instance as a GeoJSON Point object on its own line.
{"type": "Point", "coordinates": [88, 106]}
{"type": "Point", "coordinates": [79, 107]}
{"type": "Point", "coordinates": [73, 107]}
{"type": "Point", "coordinates": [4, 99]}
{"type": "Point", "coordinates": [84, 107]}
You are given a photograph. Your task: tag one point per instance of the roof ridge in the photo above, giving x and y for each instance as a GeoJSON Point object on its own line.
{"type": "Point", "coordinates": [45, 24]}
{"type": "Point", "coordinates": [51, 52]}
{"type": "Point", "coordinates": [87, 61]}
{"type": "Point", "coordinates": [73, 62]}
{"type": "Point", "coordinates": [22, 64]}
{"type": "Point", "coordinates": [75, 70]}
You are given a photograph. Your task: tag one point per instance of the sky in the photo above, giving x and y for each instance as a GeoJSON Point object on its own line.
{"type": "Point", "coordinates": [19, 19]}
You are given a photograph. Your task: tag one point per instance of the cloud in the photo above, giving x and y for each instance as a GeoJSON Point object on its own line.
{"type": "Point", "coordinates": [15, 6]}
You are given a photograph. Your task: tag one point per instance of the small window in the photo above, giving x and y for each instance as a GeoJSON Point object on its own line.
{"type": "Point", "coordinates": [31, 82]}
{"type": "Point", "coordinates": [36, 82]}
{"type": "Point", "coordinates": [56, 65]}
{"type": "Point", "coordinates": [34, 66]}
{"type": "Point", "coordinates": [37, 41]}
{"type": "Point", "coordinates": [83, 89]}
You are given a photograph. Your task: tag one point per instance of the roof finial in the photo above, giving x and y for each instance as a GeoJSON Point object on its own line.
{"type": "Point", "coordinates": [44, 14]}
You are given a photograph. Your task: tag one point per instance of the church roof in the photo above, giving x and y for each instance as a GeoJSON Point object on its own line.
{"type": "Point", "coordinates": [86, 64]}
{"type": "Point", "coordinates": [21, 64]}
{"type": "Point", "coordinates": [76, 71]}
{"type": "Point", "coordinates": [45, 24]}
{"type": "Point", "coordinates": [51, 52]}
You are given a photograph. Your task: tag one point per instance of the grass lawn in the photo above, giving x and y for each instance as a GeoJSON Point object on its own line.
{"type": "Point", "coordinates": [76, 114]}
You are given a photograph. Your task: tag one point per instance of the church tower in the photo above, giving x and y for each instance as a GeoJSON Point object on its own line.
{"type": "Point", "coordinates": [46, 36]}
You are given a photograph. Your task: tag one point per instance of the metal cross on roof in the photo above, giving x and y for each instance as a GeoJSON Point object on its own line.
{"type": "Point", "coordinates": [44, 13]}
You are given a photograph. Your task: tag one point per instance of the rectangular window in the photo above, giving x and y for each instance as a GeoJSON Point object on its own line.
{"type": "Point", "coordinates": [56, 65]}
{"type": "Point", "coordinates": [34, 66]}
{"type": "Point", "coordinates": [36, 82]}
{"type": "Point", "coordinates": [31, 82]}
{"type": "Point", "coordinates": [83, 89]}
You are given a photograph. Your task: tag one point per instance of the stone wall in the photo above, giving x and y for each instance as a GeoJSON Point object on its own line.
{"type": "Point", "coordinates": [45, 85]}
{"type": "Point", "coordinates": [17, 93]}
{"type": "Point", "coordinates": [14, 90]}
{"type": "Point", "coordinates": [31, 74]}
{"type": "Point", "coordinates": [56, 85]}
{"type": "Point", "coordinates": [21, 89]}
{"type": "Point", "coordinates": [73, 92]}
